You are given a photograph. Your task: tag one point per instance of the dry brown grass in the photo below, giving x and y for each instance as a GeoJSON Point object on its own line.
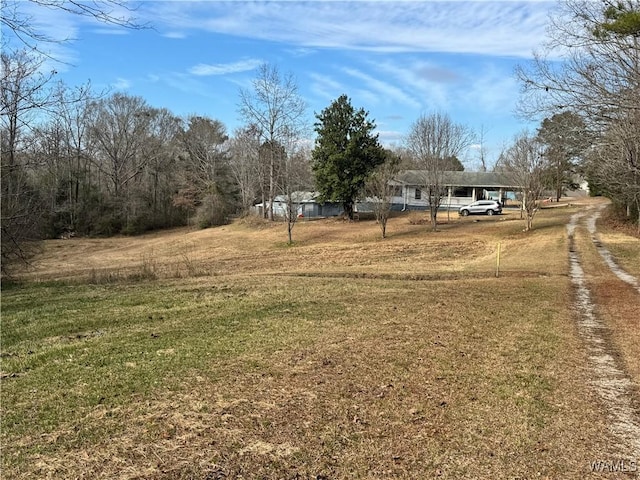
{"type": "Point", "coordinates": [344, 356]}
{"type": "Point", "coordinates": [618, 303]}
{"type": "Point", "coordinates": [623, 243]}
{"type": "Point", "coordinates": [324, 246]}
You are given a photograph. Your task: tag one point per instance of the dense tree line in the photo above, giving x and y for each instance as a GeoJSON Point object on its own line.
{"type": "Point", "coordinates": [592, 96]}
{"type": "Point", "coordinates": [75, 162]}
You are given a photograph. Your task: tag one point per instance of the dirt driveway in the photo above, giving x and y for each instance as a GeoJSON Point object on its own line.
{"type": "Point", "coordinates": [609, 366]}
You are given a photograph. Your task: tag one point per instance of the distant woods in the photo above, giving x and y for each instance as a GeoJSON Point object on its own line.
{"type": "Point", "coordinates": [77, 162]}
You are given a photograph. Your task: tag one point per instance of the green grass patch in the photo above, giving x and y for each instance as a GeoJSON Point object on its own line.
{"type": "Point", "coordinates": [407, 365]}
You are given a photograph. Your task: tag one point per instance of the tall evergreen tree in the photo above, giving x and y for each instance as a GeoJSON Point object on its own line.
{"type": "Point", "coordinates": [346, 152]}
{"type": "Point", "coordinates": [564, 138]}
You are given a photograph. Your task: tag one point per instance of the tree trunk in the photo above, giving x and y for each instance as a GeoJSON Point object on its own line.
{"type": "Point", "coordinates": [434, 218]}
{"type": "Point", "coordinates": [348, 209]}
{"type": "Point", "coordinates": [435, 199]}
{"type": "Point", "coordinates": [290, 219]}
{"type": "Point", "coordinates": [290, 229]}
{"type": "Point", "coordinates": [558, 181]}
{"type": "Point", "coordinates": [272, 185]}
{"type": "Point", "coordinates": [529, 222]}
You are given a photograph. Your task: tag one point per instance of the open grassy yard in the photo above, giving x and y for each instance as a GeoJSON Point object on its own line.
{"type": "Point", "coordinates": [225, 353]}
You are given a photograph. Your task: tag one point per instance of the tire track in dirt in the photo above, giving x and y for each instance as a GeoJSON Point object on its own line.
{"type": "Point", "coordinates": [610, 380]}
{"type": "Point", "coordinates": [605, 254]}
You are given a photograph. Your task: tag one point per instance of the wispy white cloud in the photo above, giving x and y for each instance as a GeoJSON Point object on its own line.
{"type": "Point", "coordinates": [480, 27]}
{"type": "Point", "coordinates": [381, 91]}
{"type": "Point", "coordinates": [173, 34]}
{"type": "Point", "coordinates": [430, 85]}
{"type": "Point", "coordinates": [396, 59]}
{"type": "Point", "coordinates": [121, 84]}
{"type": "Point", "coordinates": [390, 137]}
{"type": "Point", "coordinates": [188, 84]}
{"type": "Point", "coordinates": [111, 31]}
{"type": "Point", "coordinates": [204, 69]}
{"type": "Point", "coordinates": [470, 85]}
{"type": "Point", "coordinates": [301, 52]}
{"type": "Point", "coordinates": [491, 90]}
{"type": "Point", "coordinates": [53, 24]}
{"type": "Point", "coordinates": [325, 86]}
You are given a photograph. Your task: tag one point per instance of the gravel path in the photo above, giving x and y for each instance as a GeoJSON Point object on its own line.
{"type": "Point", "coordinates": [609, 378]}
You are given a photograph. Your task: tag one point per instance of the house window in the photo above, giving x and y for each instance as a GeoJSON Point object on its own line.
{"type": "Point", "coordinates": [396, 191]}
{"type": "Point", "coordinates": [418, 194]}
{"type": "Point", "coordinates": [463, 192]}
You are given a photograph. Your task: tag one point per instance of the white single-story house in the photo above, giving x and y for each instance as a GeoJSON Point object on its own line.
{"type": "Point", "coordinates": [306, 204]}
{"type": "Point", "coordinates": [462, 188]}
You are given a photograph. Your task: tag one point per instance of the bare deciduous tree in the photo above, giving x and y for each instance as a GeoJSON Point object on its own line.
{"type": "Point", "coordinates": [245, 168]}
{"type": "Point", "coordinates": [380, 189]}
{"type": "Point", "coordinates": [482, 149]}
{"type": "Point", "coordinates": [598, 75]}
{"type": "Point", "coordinates": [206, 176]}
{"type": "Point", "coordinates": [23, 92]}
{"type": "Point", "coordinates": [524, 161]}
{"type": "Point", "coordinates": [434, 140]}
{"type": "Point", "coordinates": [157, 184]}
{"type": "Point", "coordinates": [72, 112]}
{"type": "Point", "coordinates": [613, 165]}
{"type": "Point", "coordinates": [295, 179]}
{"type": "Point", "coordinates": [15, 16]}
{"type": "Point", "coordinates": [274, 106]}
{"type": "Point", "coordinates": [119, 129]}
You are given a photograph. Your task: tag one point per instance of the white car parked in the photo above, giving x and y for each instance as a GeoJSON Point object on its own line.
{"type": "Point", "coordinates": [481, 207]}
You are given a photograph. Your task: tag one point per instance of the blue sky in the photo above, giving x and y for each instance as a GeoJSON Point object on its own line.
{"type": "Point", "coordinates": [397, 60]}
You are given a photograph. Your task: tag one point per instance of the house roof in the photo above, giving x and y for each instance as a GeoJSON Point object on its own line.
{"type": "Point", "coordinates": [459, 179]}
{"type": "Point", "coordinates": [299, 197]}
